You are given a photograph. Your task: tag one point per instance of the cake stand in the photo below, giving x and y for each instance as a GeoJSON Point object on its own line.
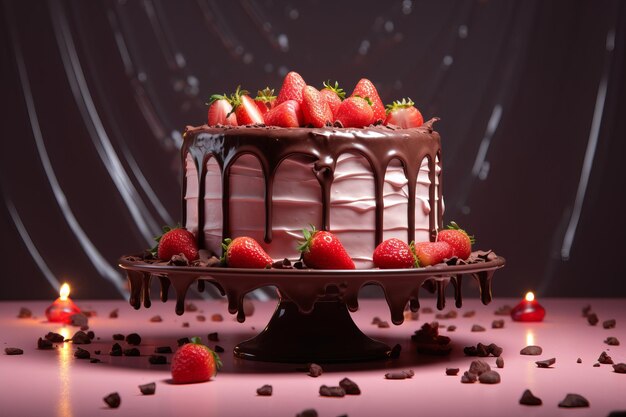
{"type": "Point", "coordinates": [312, 322]}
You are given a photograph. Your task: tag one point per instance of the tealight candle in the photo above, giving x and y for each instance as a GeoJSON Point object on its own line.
{"type": "Point", "coordinates": [63, 308]}
{"type": "Point", "coordinates": [528, 310]}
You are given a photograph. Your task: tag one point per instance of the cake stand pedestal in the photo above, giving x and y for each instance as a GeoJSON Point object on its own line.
{"type": "Point", "coordinates": [312, 322]}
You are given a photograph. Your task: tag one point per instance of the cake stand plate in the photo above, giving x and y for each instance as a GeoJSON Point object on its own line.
{"type": "Point", "coordinates": [312, 322]}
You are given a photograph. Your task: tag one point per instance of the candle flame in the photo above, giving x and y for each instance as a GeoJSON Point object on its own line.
{"type": "Point", "coordinates": [530, 296]}
{"type": "Point", "coordinates": [64, 292]}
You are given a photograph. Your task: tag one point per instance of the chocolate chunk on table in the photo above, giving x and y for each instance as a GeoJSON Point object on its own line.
{"type": "Point", "coordinates": [611, 341]}
{"type": "Point", "coordinates": [315, 370]}
{"type": "Point", "coordinates": [620, 368]}
{"type": "Point", "coordinates": [529, 399]}
{"type": "Point", "coordinates": [326, 391]}
{"type": "Point", "coordinates": [609, 324]}
{"type": "Point", "coordinates": [574, 401]}
{"type": "Point", "coordinates": [452, 371]}
{"type": "Point", "coordinates": [55, 337]}
{"type": "Point", "coordinates": [478, 328]}
{"type": "Point", "coordinates": [265, 390]}
{"type": "Point", "coordinates": [81, 338]}
{"type": "Point", "coordinates": [309, 412]}
{"type": "Point", "coordinates": [113, 400]}
{"type": "Point", "coordinates": [156, 319]}
{"type": "Point", "coordinates": [605, 359]}
{"type": "Point", "coordinates": [497, 324]}
{"type": "Point", "coordinates": [82, 354]}
{"type": "Point", "coordinates": [148, 389]}
{"type": "Point", "coordinates": [546, 363]}
{"type": "Point", "coordinates": [213, 337]}
{"type": "Point", "coordinates": [116, 350]}
{"type": "Point", "coordinates": [400, 374]}
{"type": "Point", "coordinates": [592, 319]}
{"type": "Point", "coordinates": [44, 344]}
{"type": "Point", "coordinates": [489, 377]}
{"type": "Point", "coordinates": [24, 313]}
{"type": "Point", "coordinates": [500, 362]}
{"type": "Point", "coordinates": [350, 387]}
{"type": "Point", "coordinates": [133, 339]}
{"type": "Point", "coordinates": [531, 350]}
{"type": "Point", "coordinates": [13, 351]}
{"type": "Point", "coordinates": [468, 378]}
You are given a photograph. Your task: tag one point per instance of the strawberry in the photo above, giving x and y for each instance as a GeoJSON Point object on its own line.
{"type": "Point", "coordinates": [176, 241]}
{"type": "Point", "coordinates": [292, 88]}
{"type": "Point", "coordinates": [355, 112]}
{"type": "Point", "coordinates": [220, 111]}
{"type": "Point", "coordinates": [322, 250]}
{"type": "Point", "coordinates": [286, 114]}
{"type": "Point", "coordinates": [458, 239]}
{"type": "Point", "coordinates": [245, 252]}
{"type": "Point", "coordinates": [315, 109]}
{"type": "Point", "coordinates": [365, 88]}
{"type": "Point", "coordinates": [431, 253]}
{"type": "Point", "coordinates": [404, 114]}
{"type": "Point", "coordinates": [265, 100]}
{"type": "Point", "coordinates": [333, 95]}
{"type": "Point", "coordinates": [194, 362]}
{"type": "Point", "coordinates": [245, 108]}
{"type": "Point", "coordinates": [393, 253]}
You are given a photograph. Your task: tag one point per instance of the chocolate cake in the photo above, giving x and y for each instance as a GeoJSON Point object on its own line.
{"type": "Point", "coordinates": [365, 185]}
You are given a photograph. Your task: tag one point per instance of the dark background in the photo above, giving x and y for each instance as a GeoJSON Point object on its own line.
{"type": "Point", "coordinates": [531, 96]}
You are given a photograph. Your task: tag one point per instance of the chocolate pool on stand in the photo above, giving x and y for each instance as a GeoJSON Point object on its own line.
{"type": "Point", "coordinates": [312, 320]}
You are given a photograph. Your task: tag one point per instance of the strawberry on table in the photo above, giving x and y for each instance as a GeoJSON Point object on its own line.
{"type": "Point", "coordinates": [431, 253]}
{"type": "Point", "coordinates": [194, 362]}
{"type": "Point", "coordinates": [176, 241]}
{"type": "Point", "coordinates": [393, 253]}
{"type": "Point", "coordinates": [265, 100]}
{"type": "Point", "coordinates": [245, 252]}
{"type": "Point", "coordinates": [315, 109]}
{"type": "Point", "coordinates": [220, 111]}
{"type": "Point", "coordinates": [292, 88]}
{"type": "Point", "coordinates": [355, 111]}
{"type": "Point", "coordinates": [286, 114]}
{"type": "Point", "coordinates": [404, 114]}
{"type": "Point", "coordinates": [322, 250]}
{"type": "Point", "coordinates": [333, 95]}
{"type": "Point", "coordinates": [365, 88]}
{"type": "Point", "coordinates": [458, 239]}
{"type": "Point", "coordinates": [245, 108]}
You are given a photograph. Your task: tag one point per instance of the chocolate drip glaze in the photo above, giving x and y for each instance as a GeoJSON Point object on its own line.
{"type": "Point", "coordinates": [379, 145]}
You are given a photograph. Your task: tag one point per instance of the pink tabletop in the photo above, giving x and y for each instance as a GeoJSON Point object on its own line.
{"type": "Point", "coordinates": [55, 383]}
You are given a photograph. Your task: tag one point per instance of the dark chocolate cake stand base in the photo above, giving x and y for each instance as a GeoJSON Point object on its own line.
{"type": "Point", "coordinates": [312, 322]}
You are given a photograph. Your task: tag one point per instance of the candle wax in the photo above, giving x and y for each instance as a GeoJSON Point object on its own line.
{"type": "Point", "coordinates": [528, 311]}
{"type": "Point", "coordinates": [61, 311]}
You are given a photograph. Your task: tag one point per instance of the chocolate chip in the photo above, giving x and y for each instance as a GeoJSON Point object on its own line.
{"type": "Point", "coordinates": [620, 368]}
{"type": "Point", "coordinates": [579, 360]}
{"type": "Point", "coordinates": [157, 360]}
{"type": "Point", "coordinates": [44, 344]}
{"type": "Point", "coordinates": [478, 367]}
{"type": "Point", "coordinates": [217, 317]}
{"type": "Point", "coordinates": [451, 328]}
{"type": "Point", "coordinates": [574, 400]}
{"type": "Point", "coordinates": [326, 391]}
{"type": "Point", "coordinates": [114, 313]}
{"type": "Point", "coordinates": [24, 313]}
{"type": "Point", "coordinates": [586, 310]}
{"type": "Point", "coordinates": [426, 310]}
{"type": "Point", "coordinates": [497, 324]}
{"type": "Point", "coordinates": [183, 341]}
{"type": "Point", "coordinates": [55, 337]}
{"type": "Point", "coordinates": [529, 399]}
{"type": "Point", "coordinates": [132, 352]}
{"type": "Point", "coordinates": [113, 400]}
{"type": "Point", "coordinates": [429, 342]}
{"type": "Point", "coordinates": [79, 320]}
{"type": "Point", "coordinates": [504, 310]}
{"type": "Point", "coordinates": [605, 359]}
{"type": "Point", "coordinates": [148, 389]}
{"type": "Point", "coordinates": [596, 365]}
{"type": "Point", "coordinates": [452, 371]}
{"type": "Point", "coordinates": [191, 307]}
{"type": "Point", "coordinates": [400, 374]}
{"type": "Point", "coordinates": [394, 353]}
{"type": "Point", "coordinates": [315, 370]}
{"type": "Point", "coordinates": [133, 339]}
{"type": "Point", "coordinates": [162, 349]}
{"type": "Point", "coordinates": [94, 360]}
{"type": "Point", "coordinates": [200, 318]}
{"type": "Point", "coordinates": [118, 336]}
{"type": "Point", "coordinates": [13, 351]}
{"type": "Point", "coordinates": [265, 390]}
{"type": "Point", "coordinates": [298, 265]}
{"type": "Point", "coordinates": [612, 341]}
{"type": "Point", "coordinates": [531, 350]}
{"type": "Point", "coordinates": [592, 319]}
{"type": "Point", "coordinates": [116, 350]}
{"type": "Point", "coordinates": [349, 387]}
{"type": "Point", "coordinates": [489, 377]}
{"type": "Point", "coordinates": [609, 324]}
{"type": "Point", "coordinates": [468, 378]}
{"type": "Point", "coordinates": [468, 314]}
{"type": "Point", "coordinates": [156, 319]}
{"type": "Point", "coordinates": [383, 325]}
{"type": "Point", "coordinates": [82, 354]}
{"type": "Point", "coordinates": [284, 264]}
{"type": "Point", "coordinates": [178, 260]}
{"type": "Point", "coordinates": [308, 412]}
{"type": "Point", "coordinates": [478, 328]}
{"type": "Point", "coordinates": [500, 362]}
{"type": "Point", "coordinates": [81, 338]}
{"type": "Point", "coordinates": [546, 363]}
{"type": "Point", "coordinates": [218, 349]}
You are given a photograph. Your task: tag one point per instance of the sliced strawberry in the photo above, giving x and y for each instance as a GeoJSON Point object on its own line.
{"type": "Point", "coordinates": [245, 108]}
{"type": "Point", "coordinates": [176, 241]}
{"type": "Point", "coordinates": [220, 111]}
{"type": "Point", "coordinates": [265, 100]}
{"type": "Point", "coordinates": [458, 239]}
{"type": "Point", "coordinates": [322, 250]}
{"type": "Point", "coordinates": [365, 88]}
{"type": "Point", "coordinates": [315, 109]}
{"type": "Point", "coordinates": [194, 362]}
{"type": "Point", "coordinates": [404, 114]}
{"type": "Point", "coordinates": [286, 114]}
{"type": "Point", "coordinates": [431, 253]}
{"type": "Point", "coordinates": [245, 252]}
{"type": "Point", "coordinates": [333, 96]}
{"type": "Point", "coordinates": [292, 88]}
{"type": "Point", "coordinates": [393, 253]}
{"type": "Point", "coordinates": [355, 112]}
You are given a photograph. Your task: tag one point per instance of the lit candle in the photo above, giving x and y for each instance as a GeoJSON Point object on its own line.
{"type": "Point", "coordinates": [63, 308]}
{"type": "Point", "coordinates": [528, 310]}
